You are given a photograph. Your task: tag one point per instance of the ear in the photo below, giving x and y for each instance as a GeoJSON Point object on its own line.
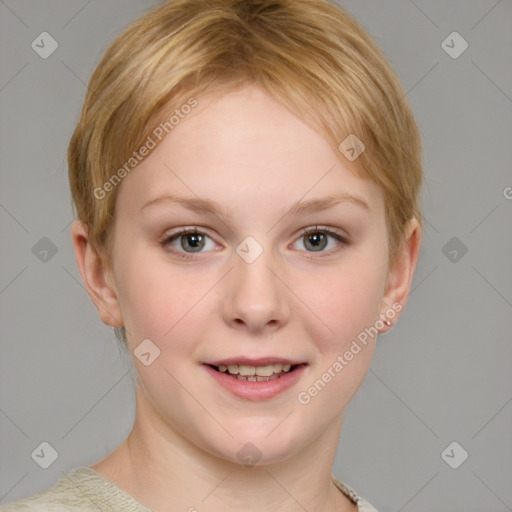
{"type": "Point", "coordinates": [98, 282]}
{"type": "Point", "coordinates": [400, 275]}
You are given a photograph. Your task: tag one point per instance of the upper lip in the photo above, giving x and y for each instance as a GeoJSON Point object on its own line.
{"type": "Point", "coordinates": [248, 361]}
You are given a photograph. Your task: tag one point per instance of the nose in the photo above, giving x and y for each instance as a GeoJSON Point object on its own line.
{"type": "Point", "coordinates": [256, 298]}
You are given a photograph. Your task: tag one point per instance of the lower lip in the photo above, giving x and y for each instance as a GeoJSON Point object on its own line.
{"type": "Point", "coordinates": [263, 390]}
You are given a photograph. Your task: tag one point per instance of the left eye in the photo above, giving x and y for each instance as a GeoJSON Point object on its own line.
{"type": "Point", "coordinates": [317, 240]}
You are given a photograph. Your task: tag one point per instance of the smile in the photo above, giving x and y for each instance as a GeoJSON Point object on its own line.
{"type": "Point", "coordinates": [256, 381]}
{"type": "Point", "coordinates": [256, 373]}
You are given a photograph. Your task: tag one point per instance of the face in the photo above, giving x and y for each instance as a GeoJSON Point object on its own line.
{"type": "Point", "coordinates": [244, 241]}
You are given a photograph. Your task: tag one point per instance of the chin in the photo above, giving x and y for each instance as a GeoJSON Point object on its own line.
{"type": "Point", "coordinates": [257, 447]}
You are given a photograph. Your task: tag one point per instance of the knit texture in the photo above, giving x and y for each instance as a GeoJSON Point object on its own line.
{"type": "Point", "coordinates": [84, 490]}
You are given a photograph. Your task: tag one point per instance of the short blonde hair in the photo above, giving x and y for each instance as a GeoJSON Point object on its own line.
{"type": "Point", "coordinates": [308, 54]}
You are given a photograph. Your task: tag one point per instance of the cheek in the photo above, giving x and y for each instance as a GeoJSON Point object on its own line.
{"type": "Point", "coordinates": [345, 301]}
{"type": "Point", "coordinates": [157, 303]}
{"type": "Point", "coordinates": [349, 307]}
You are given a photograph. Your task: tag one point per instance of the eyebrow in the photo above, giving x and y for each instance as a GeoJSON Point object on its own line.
{"type": "Point", "coordinates": [300, 207]}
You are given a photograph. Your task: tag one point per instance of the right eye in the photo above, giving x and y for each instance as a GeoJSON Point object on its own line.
{"type": "Point", "coordinates": [188, 241]}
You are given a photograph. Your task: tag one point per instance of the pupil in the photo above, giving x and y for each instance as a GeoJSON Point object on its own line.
{"type": "Point", "coordinates": [317, 241]}
{"type": "Point", "coordinates": [194, 242]}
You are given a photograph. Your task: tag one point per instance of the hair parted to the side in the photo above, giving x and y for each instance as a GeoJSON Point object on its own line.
{"type": "Point", "coordinates": [310, 55]}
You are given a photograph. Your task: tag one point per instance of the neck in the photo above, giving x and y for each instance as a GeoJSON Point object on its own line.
{"type": "Point", "coordinates": [157, 465]}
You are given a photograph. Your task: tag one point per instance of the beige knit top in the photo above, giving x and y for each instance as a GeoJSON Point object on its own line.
{"type": "Point", "coordinates": [84, 490]}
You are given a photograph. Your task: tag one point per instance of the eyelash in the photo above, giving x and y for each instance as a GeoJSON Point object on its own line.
{"type": "Point", "coordinates": [307, 231]}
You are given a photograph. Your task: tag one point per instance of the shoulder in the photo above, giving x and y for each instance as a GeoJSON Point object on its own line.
{"type": "Point", "coordinates": [63, 496]}
{"type": "Point", "coordinates": [362, 504]}
{"type": "Point", "coordinates": [81, 490]}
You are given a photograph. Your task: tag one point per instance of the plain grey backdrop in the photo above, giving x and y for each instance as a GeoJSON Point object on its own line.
{"type": "Point", "coordinates": [430, 428]}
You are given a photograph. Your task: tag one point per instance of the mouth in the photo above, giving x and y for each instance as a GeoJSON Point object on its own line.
{"type": "Point", "coordinates": [260, 373]}
{"type": "Point", "coordinates": [256, 379]}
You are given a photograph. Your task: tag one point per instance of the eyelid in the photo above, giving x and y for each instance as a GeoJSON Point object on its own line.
{"type": "Point", "coordinates": [325, 229]}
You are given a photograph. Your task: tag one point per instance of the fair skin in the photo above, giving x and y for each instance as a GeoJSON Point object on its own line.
{"type": "Point", "coordinates": [254, 158]}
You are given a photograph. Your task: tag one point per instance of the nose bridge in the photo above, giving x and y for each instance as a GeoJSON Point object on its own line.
{"type": "Point", "coordinates": [256, 297]}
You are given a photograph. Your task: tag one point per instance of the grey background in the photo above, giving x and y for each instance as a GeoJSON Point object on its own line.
{"type": "Point", "coordinates": [441, 375]}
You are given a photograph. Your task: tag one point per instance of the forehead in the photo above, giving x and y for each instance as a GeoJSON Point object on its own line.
{"type": "Point", "coordinates": [243, 147]}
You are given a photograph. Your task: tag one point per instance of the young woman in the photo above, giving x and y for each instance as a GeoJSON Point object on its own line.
{"type": "Point", "coordinates": [245, 175]}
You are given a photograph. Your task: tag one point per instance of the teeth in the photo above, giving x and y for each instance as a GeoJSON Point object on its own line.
{"type": "Point", "coordinates": [257, 378]}
{"type": "Point", "coordinates": [253, 373]}
{"type": "Point", "coordinates": [246, 370]}
{"type": "Point", "coordinates": [265, 371]}
{"type": "Point", "coordinates": [233, 369]}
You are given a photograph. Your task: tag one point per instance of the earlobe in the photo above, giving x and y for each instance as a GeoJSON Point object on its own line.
{"type": "Point", "coordinates": [400, 275]}
{"type": "Point", "coordinates": [95, 277]}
